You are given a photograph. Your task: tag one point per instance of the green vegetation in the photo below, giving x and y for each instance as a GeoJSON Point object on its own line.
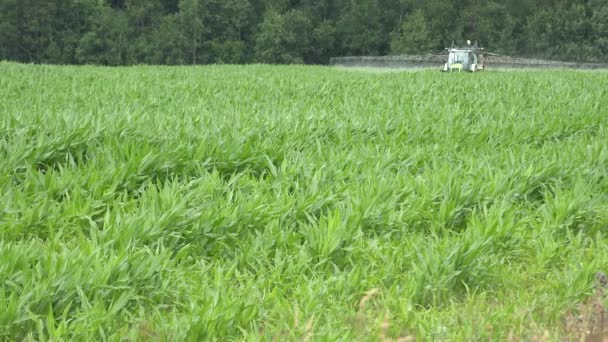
{"type": "Point", "coordinates": [129, 32]}
{"type": "Point", "coordinates": [246, 202]}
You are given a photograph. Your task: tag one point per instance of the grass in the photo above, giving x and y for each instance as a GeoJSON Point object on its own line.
{"type": "Point", "coordinates": [301, 203]}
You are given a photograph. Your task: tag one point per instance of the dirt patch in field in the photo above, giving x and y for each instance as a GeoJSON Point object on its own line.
{"type": "Point", "coordinates": [588, 321]}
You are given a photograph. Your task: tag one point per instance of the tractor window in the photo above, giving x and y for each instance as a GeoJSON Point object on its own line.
{"type": "Point", "coordinates": [461, 57]}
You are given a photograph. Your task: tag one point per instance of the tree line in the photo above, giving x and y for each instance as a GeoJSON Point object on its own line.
{"type": "Point", "coordinates": [126, 32]}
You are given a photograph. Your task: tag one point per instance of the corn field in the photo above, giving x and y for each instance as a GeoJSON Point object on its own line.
{"type": "Point", "coordinates": [298, 203]}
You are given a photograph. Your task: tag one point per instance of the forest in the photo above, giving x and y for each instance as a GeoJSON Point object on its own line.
{"type": "Point", "coordinates": [173, 32]}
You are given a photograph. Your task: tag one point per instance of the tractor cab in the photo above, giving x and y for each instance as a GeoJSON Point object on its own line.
{"type": "Point", "coordinates": [468, 59]}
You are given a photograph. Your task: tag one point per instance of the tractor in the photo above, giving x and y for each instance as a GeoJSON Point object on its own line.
{"type": "Point", "coordinates": [469, 58]}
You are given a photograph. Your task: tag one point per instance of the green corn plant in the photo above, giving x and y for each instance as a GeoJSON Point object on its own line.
{"type": "Point", "coordinates": [300, 203]}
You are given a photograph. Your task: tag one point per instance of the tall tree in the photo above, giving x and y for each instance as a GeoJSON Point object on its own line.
{"type": "Point", "coordinates": [359, 29]}
{"type": "Point", "coordinates": [599, 29]}
{"type": "Point", "coordinates": [169, 42]}
{"type": "Point", "coordinates": [228, 23]}
{"type": "Point", "coordinates": [192, 28]}
{"type": "Point", "coordinates": [144, 19]}
{"type": "Point", "coordinates": [274, 39]}
{"type": "Point", "coordinates": [490, 23]}
{"type": "Point", "coordinates": [293, 31]}
{"type": "Point", "coordinates": [413, 36]}
{"type": "Point", "coordinates": [106, 41]}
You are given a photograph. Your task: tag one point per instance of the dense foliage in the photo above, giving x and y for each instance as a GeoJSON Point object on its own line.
{"type": "Point", "coordinates": [120, 32]}
{"type": "Point", "coordinates": [183, 203]}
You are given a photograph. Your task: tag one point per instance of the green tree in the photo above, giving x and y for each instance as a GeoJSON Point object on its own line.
{"type": "Point", "coordinates": [565, 31]}
{"type": "Point", "coordinates": [229, 26]}
{"type": "Point", "coordinates": [359, 29]}
{"type": "Point", "coordinates": [228, 51]}
{"type": "Point", "coordinates": [293, 31]}
{"type": "Point", "coordinates": [67, 27]}
{"type": "Point", "coordinates": [489, 23]}
{"type": "Point", "coordinates": [413, 36]}
{"type": "Point", "coordinates": [169, 45]}
{"type": "Point", "coordinates": [9, 34]}
{"type": "Point", "coordinates": [599, 27]}
{"type": "Point", "coordinates": [442, 19]}
{"type": "Point", "coordinates": [192, 28]}
{"type": "Point", "coordinates": [144, 18]}
{"type": "Point", "coordinates": [299, 27]}
{"type": "Point", "coordinates": [274, 39]}
{"type": "Point", "coordinates": [106, 42]}
{"type": "Point", "coordinates": [323, 43]}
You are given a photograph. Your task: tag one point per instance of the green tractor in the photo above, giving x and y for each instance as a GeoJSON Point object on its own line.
{"type": "Point", "coordinates": [469, 58]}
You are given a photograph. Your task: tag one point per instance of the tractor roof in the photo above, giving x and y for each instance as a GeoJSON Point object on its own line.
{"type": "Point", "coordinates": [470, 48]}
